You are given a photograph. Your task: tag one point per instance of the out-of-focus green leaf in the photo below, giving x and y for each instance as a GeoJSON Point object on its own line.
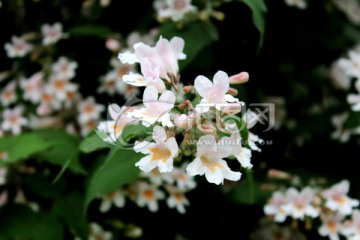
{"type": "Point", "coordinates": [249, 193]}
{"type": "Point", "coordinates": [258, 9]}
{"type": "Point", "coordinates": [353, 121]}
{"type": "Point", "coordinates": [23, 146]}
{"type": "Point", "coordinates": [92, 30]}
{"type": "Point", "coordinates": [63, 147]}
{"type": "Point", "coordinates": [92, 143]}
{"type": "Point", "coordinates": [20, 222]}
{"type": "Point", "coordinates": [70, 210]}
{"type": "Point", "coordinates": [196, 35]}
{"type": "Point", "coordinates": [119, 169]}
{"type": "Point", "coordinates": [41, 185]}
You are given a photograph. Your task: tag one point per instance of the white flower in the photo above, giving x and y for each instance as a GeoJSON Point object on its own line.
{"type": "Point", "coordinates": [299, 204]}
{"type": "Point", "coordinates": [112, 44]}
{"type": "Point", "coordinates": [136, 37]}
{"type": "Point", "coordinates": [301, 4]}
{"type": "Point", "coordinates": [157, 178]}
{"type": "Point", "coordinates": [97, 233]}
{"type": "Point", "coordinates": [156, 108]}
{"type": "Point", "coordinates": [51, 34]}
{"type": "Point", "coordinates": [337, 199]}
{"type": "Point", "coordinates": [339, 77]}
{"type": "Point", "coordinates": [18, 47]}
{"type": "Point", "coordinates": [352, 229]}
{"type": "Point", "coordinates": [108, 84]}
{"type": "Point", "coordinates": [64, 69]}
{"type": "Point", "coordinates": [148, 196]}
{"type": "Point", "coordinates": [177, 199]}
{"type": "Point", "coordinates": [351, 65]}
{"type": "Point", "coordinates": [331, 226]}
{"type": "Point", "coordinates": [214, 92]}
{"type": "Point", "coordinates": [161, 153]}
{"type": "Point", "coordinates": [184, 182]}
{"type": "Point", "coordinates": [13, 120]}
{"type": "Point", "coordinates": [119, 119]}
{"type": "Point", "coordinates": [275, 207]}
{"type": "Point", "coordinates": [174, 9]}
{"type": "Point", "coordinates": [88, 126]}
{"type": "Point", "coordinates": [117, 198]}
{"type": "Point", "coordinates": [242, 154]}
{"type": "Point", "coordinates": [3, 172]}
{"type": "Point", "coordinates": [209, 161]}
{"type": "Point", "coordinates": [32, 87]}
{"type": "Point", "coordinates": [89, 110]}
{"type": "Point", "coordinates": [8, 95]}
{"type": "Point", "coordinates": [48, 101]}
{"type": "Point", "coordinates": [60, 87]}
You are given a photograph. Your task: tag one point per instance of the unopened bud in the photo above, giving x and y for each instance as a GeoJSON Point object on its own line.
{"type": "Point", "coordinates": [112, 44]}
{"type": "Point", "coordinates": [187, 89]}
{"type": "Point", "coordinates": [189, 105]}
{"type": "Point", "coordinates": [240, 78]}
{"type": "Point", "coordinates": [277, 174]}
{"type": "Point", "coordinates": [207, 128]}
{"type": "Point", "coordinates": [233, 91]}
{"type": "Point", "coordinates": [182, 106]}
{"type": "Point", "coordinates": [182, 121]}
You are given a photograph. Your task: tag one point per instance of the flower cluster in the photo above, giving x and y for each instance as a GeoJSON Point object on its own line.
{"type": "Point", "coordinates": [331, 206]}
{"type": "Point", "coordinates": [201, 127]}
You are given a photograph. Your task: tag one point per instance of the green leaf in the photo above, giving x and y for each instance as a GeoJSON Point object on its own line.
{"type": "Point", "coordinates": [41, 185]}
{"type": "Point", "coordinates": [23, 146]}
{"type": "Point", "coordinates": [196, 35]}
{"type": "Point", "coordinates": [249, 193]}
{"type": "Point", "coordinates": [352, 121]}
{"type": "Point", "coordinates": [20, 222]}
{"type": "Point", "coordinates": [70, 210]}
{"type": "Point", "coordinates": [119, 170]}
{"type": "Point", "coordinates": [93, 143]}
{"type": "Point", "coordinates": [63, 150]}
{"type": "Point", "coordinates": [258, 9]}
{"type": "Point", "coordinates": [91, 30]}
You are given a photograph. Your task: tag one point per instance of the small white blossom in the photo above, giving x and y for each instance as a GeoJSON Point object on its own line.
{"type": "Point", "coordinates": [184, 182]}
{"type": "Point", "coordinates": [174, 9]}
{"type": "Point", "coordinates": [352, 229]}
{"type": "Point", "coordinates": [64, 69]}
{"type": "Point", "coordinates": [18, 47]}
{"type": "Point", "coordinates": [161, 153]}
{"type": "Point", "coordinates": [117, 198]}
{"type": "Point", "coordinates": [299, 204]}
{"type": "Point", "coordinates": [209, 161]}
{"type": "Point", "coordinates": [51, 34]}
{"type": "Point", "coordinates": [13, 120]}
{"type": "Point", "coordinates": [89, 110]}
{"type": "Point", "coordinates": [301, 4]}
{"type": "Point", "coordinates": [177, 199]}
{"type": "Point", "coordinates": [148, 196]}
{"type": "Point", "coordinates": [157, 178]}
{"type": "Point", "coordinates": [32, 87]}
{"type": "Point", "coordinates": [331, 226]}
{"type": "Point", "coordinates": [275, 207]}
{"type": "Point", "coordinates": [97, 233]}
{"type": "Point", "coordinates": [337, 199]}
{"type": "Point", "coordinates": [8, 95]}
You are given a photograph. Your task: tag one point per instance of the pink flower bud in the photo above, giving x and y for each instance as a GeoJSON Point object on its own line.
{"type": "Point", "coordinates": [182, 121]}
{"type": "Point", "coordinates": [112, 44]}
{"type": "Point", "coordinates": [277, 174]}
{"type": "Point", "coordinates": [187, 89]}
{"type": "Point", "coordinates": [233, 91]}
{"type": "Point", "coordinates": [240, 78]}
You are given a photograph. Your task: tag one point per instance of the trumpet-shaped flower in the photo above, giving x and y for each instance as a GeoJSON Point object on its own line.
{"type": "Point", "coordinates": [352, 230]}
{"type": "Point", "coordinates": [275, 207]}
{"type": "Point", "coordinates": [13, 120]}
{"type": "Point", "coordinates": [161, 153]}
{"type": "Point", "coordinates": [299, 204]}
{"type": "Point", "coordinates": [8, 95]}
{"type": "Point", "coordinates": [331, 226]}
{"type": "Point", "coordinates": [156, 108]}
{"type": "Point", "coordinates": [148, 195]}
{"type": "Point", "coordinates": [51, 34]}
{"type": "Point", "coordinates": [18, 47]}
{"type": "Point", "coordinates": [214, 92]}
{"type": "Point", "coordinates": [209, 161]}
{"type": "Point", "coordinates": [337, 199]}
{"type": "Point", "coordinates": [176, 199]}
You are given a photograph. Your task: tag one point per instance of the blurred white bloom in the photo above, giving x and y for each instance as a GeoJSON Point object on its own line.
{"type": "Point", "coordinates": [177, 199]}
{"type": "Point", "coordinates": [88, 126]}
{"type": "Point", "coordinates": [105, 3]}
{"type": "Point", "coordinates": [32, 87]}
{"type": "Point", "coordinates": [64, 69]}
{"type": "Point", "coordinates": [13, 120]}
{"type": "Point", "coordinates": [174, 9]}
{"type": "Point", "coordinates": [8, 95]}
{"type": "Point", "coordinates": [108, 84]}
{"type": "Point", "coordinates": [339, 77]}
{"type": "Point", "coordinates": [156, 108]}
{"type": "Point", "coordinates": [184, 182]}
{"type": "Point", "coordinates": [331, 226]}
{"type": "Point", "coordinates": [352, 229]}
{"type": "Point", "coordinates": [60, 87]}
{"type": "Point", "coordinates": [117, 198]}
{"type": "Point", "coordinates": [136, 37]}
{"type": "Point", "coordinates": [18, 47]}
{"type": "Point", "coordinates": [51, 34]}
{"type": "Point", "coordinates": [112, 44]}
{"type": "Point", "coordinates": [157, 178]}
{"type": "Point", "coordinates": [299, 204]}
{"type": "Point", "coordinates": [337, 199]}
{"type": "Point", "coordinates": [209, 161]}
{"type": "Point", "coordinates": [89, 110]}
{"type": "Point", "coordinates": [148, 196]}
{"type": "Point", "coordinates": [97, 233]}
{"type": "Point", "coordinates": [161, 153]}
{"type": "Point", "coordinates": [48, 102]}
{"type": "Point", "coordinates": [275, 207]}
{"type": "Point", "coordinates": [351, 8]}
{"type": "Point", "coordinates": [351, 65]}
{"type": "Point", "coordinates": [301, 4]}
